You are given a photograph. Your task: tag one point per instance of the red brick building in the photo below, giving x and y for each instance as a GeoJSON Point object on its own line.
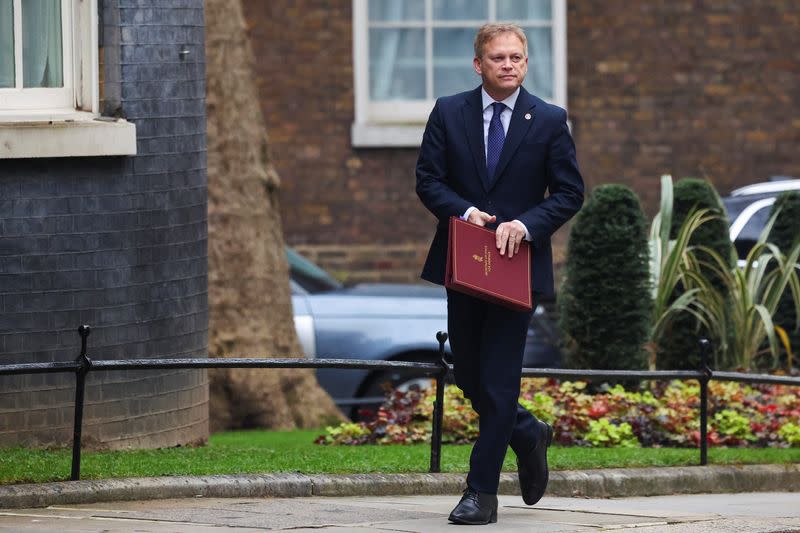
{"type": "Point", "coordinates": [690, 88]}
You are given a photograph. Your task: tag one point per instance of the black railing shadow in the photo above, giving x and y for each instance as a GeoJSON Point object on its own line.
{"type": "Point", "coordinates": [439, 370]}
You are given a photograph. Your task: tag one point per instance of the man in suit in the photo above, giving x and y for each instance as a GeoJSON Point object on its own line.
{"type": "Point", "coordinates": [488, 155]}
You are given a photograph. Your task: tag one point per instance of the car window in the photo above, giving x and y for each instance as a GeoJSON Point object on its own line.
{"type": "Point", "coordinates": [751, 231]}
{"type": "Point", "coordinates": [308, 275]}
{"type": "Point", "coordinates": [296, 288]}
{"type": "Point", "coordinates": [735, 206]}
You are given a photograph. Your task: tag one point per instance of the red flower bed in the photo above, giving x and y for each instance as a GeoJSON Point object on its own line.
{"type": "Point", "coordinates": [654, 414]}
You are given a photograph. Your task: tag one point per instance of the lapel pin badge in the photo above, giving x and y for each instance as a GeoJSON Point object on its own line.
{"type": "Point", "coordinates": [527, 116]}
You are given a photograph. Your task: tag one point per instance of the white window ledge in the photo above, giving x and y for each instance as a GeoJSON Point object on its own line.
{"type": "Point", "coordinates": [386, 135]}
{"type": "Point", "coordinates": [78, 138]}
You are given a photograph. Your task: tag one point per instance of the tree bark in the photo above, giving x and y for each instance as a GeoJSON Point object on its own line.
{"type": "Point", "coordinates": [250, 309]}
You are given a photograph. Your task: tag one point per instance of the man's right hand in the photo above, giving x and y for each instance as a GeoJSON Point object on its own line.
{"type": "Point", "coordinates": [480, 218]}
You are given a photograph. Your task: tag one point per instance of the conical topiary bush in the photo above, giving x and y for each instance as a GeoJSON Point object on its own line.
{"type": "Point", "coordinates": [605, 300]}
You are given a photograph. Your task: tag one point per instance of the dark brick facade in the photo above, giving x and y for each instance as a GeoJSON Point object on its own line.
{"type": "Point", "coordinates": [701, 88]}
{"type": "Point", "coordinates": [116, 242]}
{"type": "Point", "coordinates": [690, 88]}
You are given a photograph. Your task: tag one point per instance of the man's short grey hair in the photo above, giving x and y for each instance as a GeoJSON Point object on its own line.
{"type": "Point", "coordinates": [489, 31]}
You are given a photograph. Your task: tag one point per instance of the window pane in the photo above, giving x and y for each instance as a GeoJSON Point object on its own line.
{"type": "Point", "coordinates": [42, 58]}
{"type": "Point", "coordinates": [395, 10]}
{"type": "Point", "coordinates": [752, 230]}
{"type": "Point", "coordinates": [7, 43]}
{"type": "Point", "coordinates": [397, 64]}
{"type": "Point", "coordinates": [460, 10]}
{"type": "Point", "coordinates": [452, 61]}
{"type": "Point", "coordinates": [524, 9]}
{"type": "Point", "coordinates": [539, 80]}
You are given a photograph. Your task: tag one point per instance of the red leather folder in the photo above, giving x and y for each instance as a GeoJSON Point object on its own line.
{"type": "Point", "coordinates": [475, 267]}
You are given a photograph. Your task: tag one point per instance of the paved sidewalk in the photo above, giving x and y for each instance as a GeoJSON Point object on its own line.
{"type": "Point", "coordinates": [756, 512]}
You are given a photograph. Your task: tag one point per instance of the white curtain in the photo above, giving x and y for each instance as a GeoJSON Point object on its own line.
{"type": "Point", "coordinates": [42, 60]}
{"type": "Point", "coordinates": [386, 43]}
{"type": "Point", "coordinates": [524, 9]}
{"type": "Point", "coordinates": [6, 43]}
{"type": "Point", "coordinates": [397, 55]}
{"type": "Point", "coordinates": [540, 62]}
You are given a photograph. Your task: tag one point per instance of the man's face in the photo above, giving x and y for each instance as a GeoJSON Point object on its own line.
{"type": "Point", "coordinates": [503, 65]}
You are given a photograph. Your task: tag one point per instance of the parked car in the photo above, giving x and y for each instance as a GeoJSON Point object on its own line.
{"type": "Point", "coordinates": [749, 207]}
{"type": "Point", "coordinates": [392, 322]}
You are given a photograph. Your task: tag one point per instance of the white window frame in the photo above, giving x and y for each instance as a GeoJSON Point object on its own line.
{"type": "Point", "coordinates": [64, 122]}
{"type": "Point", "coordinates": [79, 92]}
{"type": "Point", "coordinates": [401, 123]}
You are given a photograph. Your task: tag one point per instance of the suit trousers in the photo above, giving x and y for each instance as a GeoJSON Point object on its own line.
{"type": "Point", "coordinates": [488, 342]}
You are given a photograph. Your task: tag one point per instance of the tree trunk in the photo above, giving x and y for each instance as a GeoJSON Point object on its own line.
{"type": "Point", "coordinates": [250, 310]}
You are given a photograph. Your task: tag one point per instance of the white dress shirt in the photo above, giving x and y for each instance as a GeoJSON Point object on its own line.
{"type": "Point", "coordinates": [505, 119]}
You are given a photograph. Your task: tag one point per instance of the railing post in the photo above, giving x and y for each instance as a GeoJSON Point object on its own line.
{"type": "Point", "coordinates": [438, 407]}
{"type": "Point", "coordinates": [705, 348]}
{"type": "Point", "coordinates": [85, 364]}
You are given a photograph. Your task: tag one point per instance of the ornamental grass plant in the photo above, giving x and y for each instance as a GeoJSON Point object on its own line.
{"type": "Point", "coordinates": [684, 331]}
{"type": "Point", "coordinates": [672, 291]}
{"type": "Point", "coordinates": [786, 233]}
{"type": "Point", "coordinates": [740, 314]}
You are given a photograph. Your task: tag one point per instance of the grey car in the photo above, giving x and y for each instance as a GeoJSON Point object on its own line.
{"type": "Point", "coordinates": [749, 208]}
{"type": "Point", "coordinates": [392, 322]}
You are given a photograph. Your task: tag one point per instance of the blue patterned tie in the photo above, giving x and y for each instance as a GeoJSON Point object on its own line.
{"type": "Point", "coordinates": [494, 143]}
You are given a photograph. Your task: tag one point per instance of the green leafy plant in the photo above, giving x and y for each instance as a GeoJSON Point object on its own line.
{"type": "Point", "coordinates": [608, 242]}
{"type": "Point", "coordinates": [790, 433]}
{"type": "Point", "coordinates": [733, 425]}
{"type": "Point", "coordinates": [344, 433]}
{"type": "Point", "coordinates": [603, 433]}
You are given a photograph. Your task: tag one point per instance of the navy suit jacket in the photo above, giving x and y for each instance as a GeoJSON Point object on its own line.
{"type": "Point", "coordinates": [538, 157]}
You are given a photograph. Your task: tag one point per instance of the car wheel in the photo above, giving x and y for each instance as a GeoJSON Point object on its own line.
{"type": "Point", "coordinates": [375, 386]}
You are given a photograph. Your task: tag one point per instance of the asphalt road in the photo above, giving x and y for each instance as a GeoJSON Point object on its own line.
{"type": "Point", "coordinates": [751, 512]}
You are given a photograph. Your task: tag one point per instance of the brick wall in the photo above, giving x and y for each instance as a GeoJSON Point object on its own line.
{"type": "Point", "coordinates": [686, 88]}
{"type": "Point", "coordinates": [662, 86]}
{"type": "Point", "coordinates": [119, 243]}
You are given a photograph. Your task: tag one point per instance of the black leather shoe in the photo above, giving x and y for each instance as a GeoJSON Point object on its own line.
{"type": "Point", "coordinates": [475, 508]}
{"type": "Point", "coordinates": [532, 469]}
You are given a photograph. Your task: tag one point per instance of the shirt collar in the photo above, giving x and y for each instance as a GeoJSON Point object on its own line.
{"type": "Point", "coordinates": [488, 100]}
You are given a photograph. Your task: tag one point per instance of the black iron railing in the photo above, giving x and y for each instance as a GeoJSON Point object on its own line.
{"type": "Point", "coordinates": [439, 370]}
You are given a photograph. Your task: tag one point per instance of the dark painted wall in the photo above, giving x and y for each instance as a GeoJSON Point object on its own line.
{"type": "Point", "coordinates": [118, 243]}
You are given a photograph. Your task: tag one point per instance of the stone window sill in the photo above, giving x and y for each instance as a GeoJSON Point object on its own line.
{"type": "Point", "coordinates": [99, 136]}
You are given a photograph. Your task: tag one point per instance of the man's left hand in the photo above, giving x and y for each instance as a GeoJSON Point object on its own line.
{"type": "Point", "coordinates": [508, 236]}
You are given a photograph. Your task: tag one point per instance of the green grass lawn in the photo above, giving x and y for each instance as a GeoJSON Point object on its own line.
{"type": "Point", "coordinates": [269, 451]}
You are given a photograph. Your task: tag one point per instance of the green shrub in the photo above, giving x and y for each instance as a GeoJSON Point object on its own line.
{"type": "Point", "coordinates": [684, 330]}
{"type": "Point", "coordinates": [790, 434]}
{"type": "Point", "coordinates": [729, 423]}
{"type": "Point", "coordinates": [785, 233]}
{"type": "Point", "coordinates": [605, 300]}
{"type": "Point", "coordinates": [692, 194]}
{"type": "Point", "coordinates": [603, 433]}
